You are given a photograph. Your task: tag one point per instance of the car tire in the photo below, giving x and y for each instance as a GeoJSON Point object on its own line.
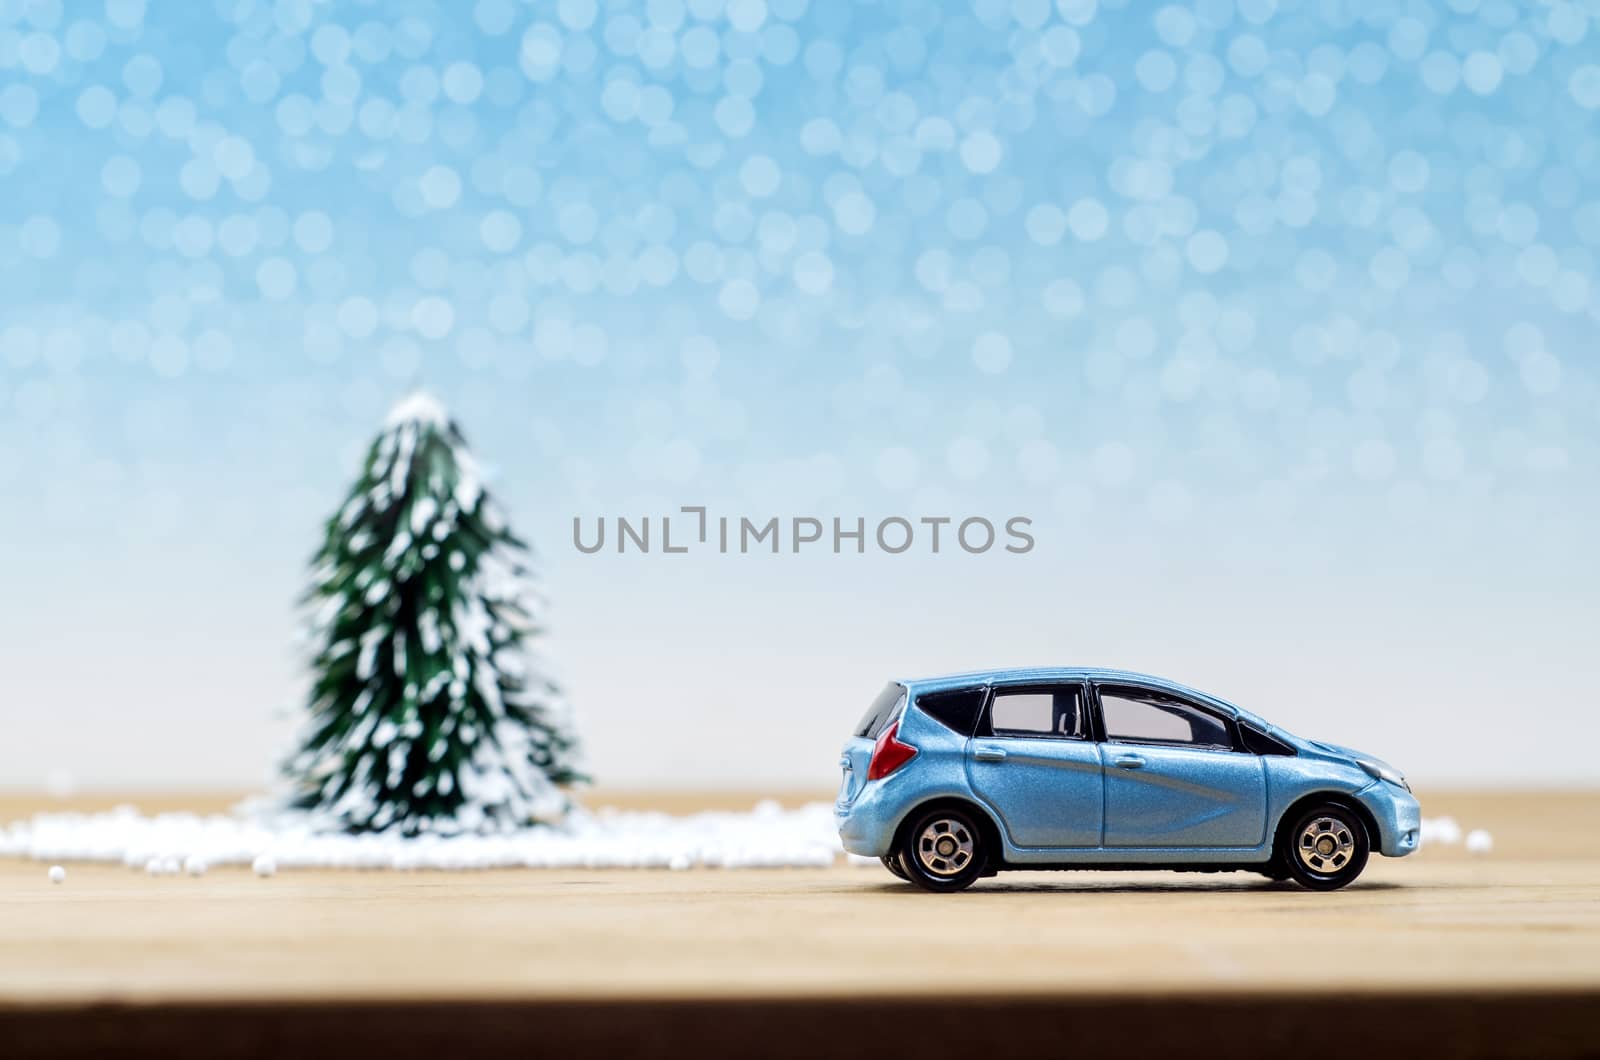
{"type": "Point", "coordinates": [892, 863]}
{"type": "Point", "coordinates": [943, 849]}
{"type": "Point", "coordinates": [1324, 847]}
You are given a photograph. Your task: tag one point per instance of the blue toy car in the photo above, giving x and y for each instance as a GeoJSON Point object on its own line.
{"type": "Point", "coordinates": [954, 778]}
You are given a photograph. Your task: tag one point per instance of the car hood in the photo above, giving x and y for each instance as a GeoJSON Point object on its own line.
{"type": "Point", "coordinates": [1346, 754]}
{"type": "Point", "coordinates": [1331, 752]}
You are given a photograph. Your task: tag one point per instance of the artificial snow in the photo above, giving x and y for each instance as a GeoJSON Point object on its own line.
{"type": "Point", "coordinates": [419, 407]}
{"type": "Point", "coordinates": [165, 844]}
{"type": "Point", "coordinates": [1445, 831]}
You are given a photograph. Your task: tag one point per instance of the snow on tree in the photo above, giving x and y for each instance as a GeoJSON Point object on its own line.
{"type": "Point", "coordinates": [429, 711]}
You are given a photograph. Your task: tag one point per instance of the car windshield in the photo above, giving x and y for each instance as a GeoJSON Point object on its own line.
{"type": "Point", "coordinates": [881, 710]}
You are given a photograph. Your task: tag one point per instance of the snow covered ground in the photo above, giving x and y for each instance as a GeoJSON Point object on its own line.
{"type": "Point", "coordinates": [767, 836]}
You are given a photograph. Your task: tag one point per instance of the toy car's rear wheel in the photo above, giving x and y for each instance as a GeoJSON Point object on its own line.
{"type": "Point", "coordinates": [1325, 847]}
{"type": "Point", "coordinates": [892, 863]}
{"type": "Point", "coordinates": [943, 849]}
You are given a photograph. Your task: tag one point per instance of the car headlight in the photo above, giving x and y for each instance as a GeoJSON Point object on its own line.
{"type": "Point", "coordinates": [1379, 771]}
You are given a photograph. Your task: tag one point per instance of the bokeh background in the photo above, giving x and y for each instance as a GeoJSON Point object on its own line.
{"type": "Point", "coordinates": [1277, 319]}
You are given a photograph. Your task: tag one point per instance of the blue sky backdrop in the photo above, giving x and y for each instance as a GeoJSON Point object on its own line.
{"type": "Point", "coordinates": [1278, 319]}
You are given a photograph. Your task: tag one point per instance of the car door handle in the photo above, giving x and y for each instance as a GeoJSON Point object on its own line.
{"type": "Point", "coordinates": [990, 754]}
{"type": "Point", "coordinates": [1128, 762]}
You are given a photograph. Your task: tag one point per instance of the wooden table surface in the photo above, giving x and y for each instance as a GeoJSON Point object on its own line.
{"type": "Point", "coordinates": [1520, 923]}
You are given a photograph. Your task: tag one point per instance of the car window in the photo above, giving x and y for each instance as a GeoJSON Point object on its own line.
{"type": "Point", "coordinates": [956, 709]}
{"type": "Point", "coordinates": [1039, 712]}
{"type": "Point", "coordinates": [880, 711]}
{"type": "Point", "coordinates": [1258, 741]}
{"type": "Point", "coordinates": [1139, 715]}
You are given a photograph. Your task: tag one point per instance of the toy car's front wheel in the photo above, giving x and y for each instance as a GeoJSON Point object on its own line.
{"type": "Point", "coordinates": [943, 850]}
{"type": "Point", "coordinates": [892, 863]}
{"type": "Point", "coordinates": [1325, 847]}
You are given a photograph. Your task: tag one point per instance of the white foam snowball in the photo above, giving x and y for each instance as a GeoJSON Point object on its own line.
{"type": "Point", "coordinates": [152, 867]}
{"type": "Point", "coordinates": [1479, 841]}
{"type": "Point", "coordinates": [1443, 830]}
{"type": "Point", "coordinates": [57, 874]}
{"type": "Point", "coordinates": [264, 865]}
{"type": "Point", "coordinates": [195, 865]}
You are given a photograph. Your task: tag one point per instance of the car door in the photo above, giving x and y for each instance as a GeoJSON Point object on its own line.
{"type": "Point", "coordinates": [1034, 760]}
{"type": "Point", "coordinates": [1175, 775]}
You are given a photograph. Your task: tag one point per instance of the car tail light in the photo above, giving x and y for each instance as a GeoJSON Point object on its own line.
{"type": "Point", "coordinates": [889, 754]}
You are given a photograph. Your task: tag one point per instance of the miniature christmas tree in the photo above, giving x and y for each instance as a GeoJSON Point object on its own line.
{"type": "Point", "coordinates": [428, 712]}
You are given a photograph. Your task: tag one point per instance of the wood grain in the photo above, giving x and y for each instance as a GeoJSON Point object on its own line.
{"type": "Point", "coordinates": [1521, 922]}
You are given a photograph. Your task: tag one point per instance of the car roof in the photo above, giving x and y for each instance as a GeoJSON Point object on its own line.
{"type": "Point", "coordinates": [1025, 674]}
